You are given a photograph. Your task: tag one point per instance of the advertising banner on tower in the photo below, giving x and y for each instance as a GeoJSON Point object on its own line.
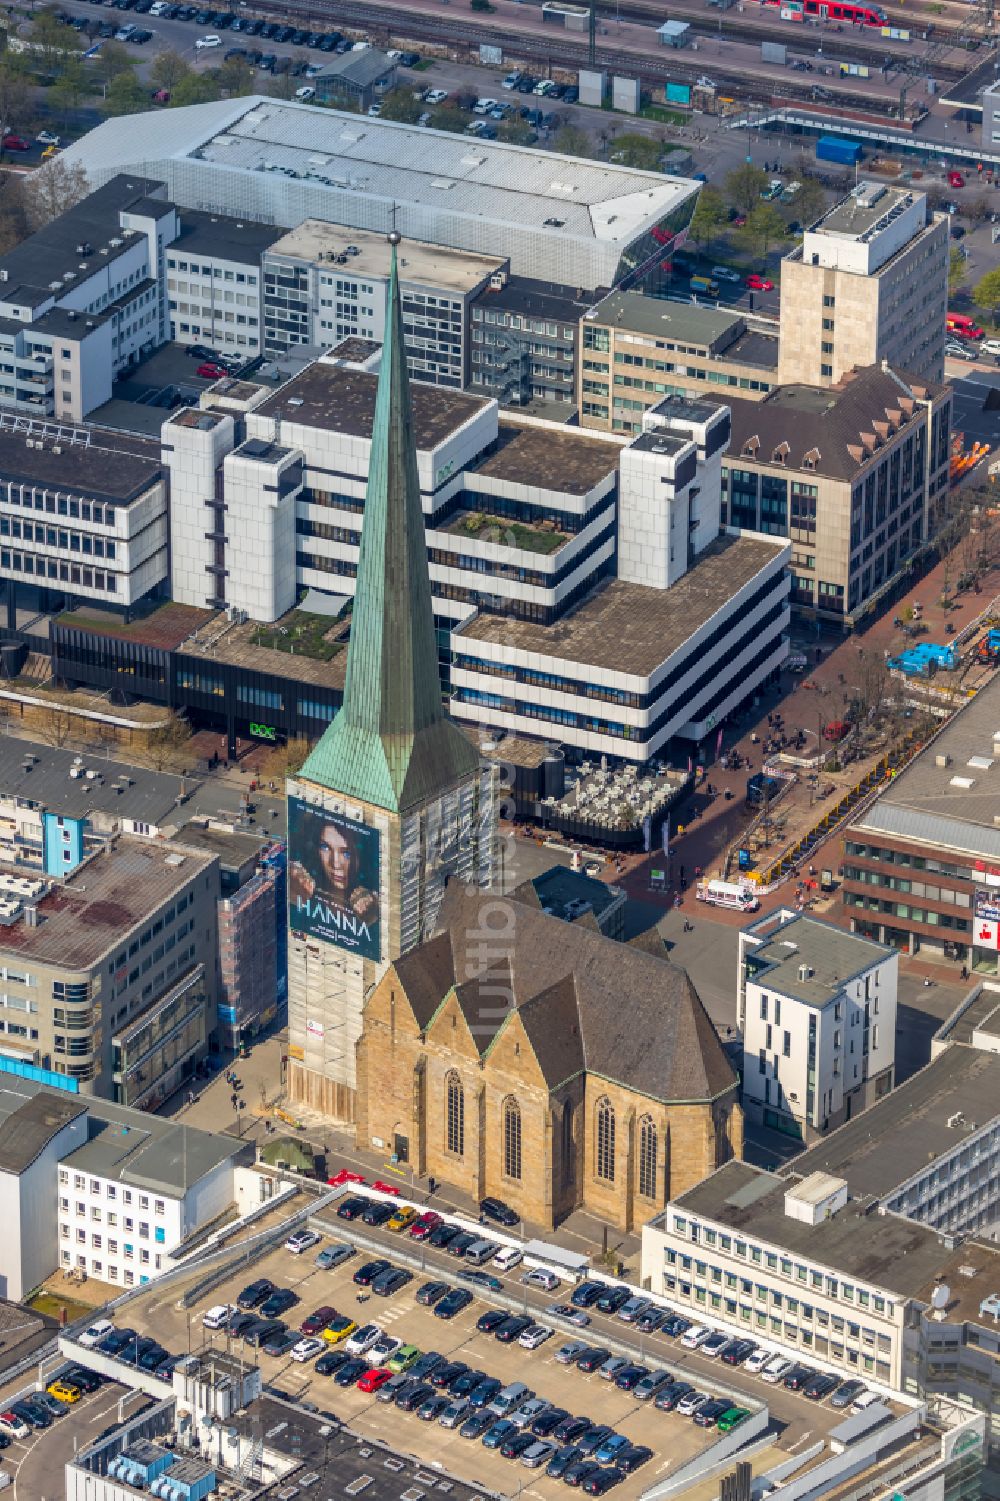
{"type": "Point", "coordinates": [333, 879]}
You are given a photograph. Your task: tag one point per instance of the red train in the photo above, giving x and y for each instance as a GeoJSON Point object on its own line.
{"type": "Point", "coordinates": [838, 10]}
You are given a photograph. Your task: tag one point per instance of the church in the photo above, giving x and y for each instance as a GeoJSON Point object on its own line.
{"type": "Point", "coordinates": [517, 1055]}
{"type": "Point", "coordinates": [476, 1037]}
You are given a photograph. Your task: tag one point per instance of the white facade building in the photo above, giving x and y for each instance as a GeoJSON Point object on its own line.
{"type": "Point", "coordinates": [214, 282]}
{"type": "Point", "coordinates": [817, 1012]}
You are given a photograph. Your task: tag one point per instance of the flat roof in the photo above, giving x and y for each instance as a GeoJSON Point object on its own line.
{"type": "Point", "coordinates": [148, 1151]}
{"type": "Point", "coordinates": [981, 1015]}
{"type": "Point", "coordinates": [521, 294]}
{"type": "Point", "coordinates": [558, 887]}
{"type": "Point", "coordinates": [966, 92]}
{"type": "Point", "coordinates": [339, 399]}
{"type": "Point", "coordinates": [565, 461]}
{"type": "Point", "coordinates": [40, 774]}
{"type": "Point", "coordinates": [629, 628]}
{"type": "Point", "coordinates": [233, 847]}
{"type": "Point", "coordinates": [674, 322]}
{"type": "Point", "coordinates": [107, 896]}
{"type": "Point", "coordinates": [884, 1250]}
{"type": "Point", "coordinates": [831, 953]}
{"type": "Point", "coordinates": [165, 627]}
{"type": "Point", "coordinates": [30, 1124]}
{"type": "Point", "coordinates": [971, 1274]}
{"type": "Point", "coordinates": [951, 806]}
{"type": "Point", "coordinates": [108, 466]}
{"type": "Point", "coordinates": [754, 348]}
{"type": "Point", "coordinates": [855, 216]}
{"type": "Point", "coordinates": [914, 1119]}
{"type": "Point", "coordinates": [421, 264]}
{"type": "Point", "coordinates": [225, 238]}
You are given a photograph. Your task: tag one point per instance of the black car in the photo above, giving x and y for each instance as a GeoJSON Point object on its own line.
{"type": "Point", "coordinates": [150, 1359]}
{"type": "Point", "coordinates": [240, 1323]}
{"type": "Point", "coordinates": [461, 1243]}
{"type": "Point", "coordinates": [254, 1294]}
{"type": "Point", "coordinates": [253, 28]}
{"type": "Point", "coordinates": [631, 1458]}
{"type": "Point", "coordinates": [594, 1437]}
{"type": "Point", "coordinates": [351, 1370]}
{"type": "Point", "coordinates": [546, 1421]}
{"type": "Point", "coordinates": [580, 1471]}
{"type": "Point", "coordinates": [709, 1413]}
{"type": "Point", "coordinates": [263, 1332]}
{"type": "Point", "coordinates": [592, 1357]}
{"type": "Point", "coordinates": [366, 1274]}
{"type": "Point", "coordinates": [412, 1397]}
{"type": "Point", "coordinates": [629, 1377]}
{"type": "Point", "coordinates": [560, 1463]}
{"type": "Point", "coordinates": [330, 1363]}
{"type": "Point", "coordinates": [431, 1293]}
{"type": "Point", "coordinates": [279, 1302]}
{"type": "Point", "coordinates": [667, 1399]}
{"type": "Point", "coordinates": [267, 62]}
{"type": "Point", "coordinates": [387, 1283]}
{"type": "Point", "coordinates": [5, 1439]}
{"type": "Point", "coordinates": [596, 1484]}
{"type": "Point", "coordinates": [674, 1324]}
{"type": "Point", "coordinates": [28, 1412]}
{"type": "Point", "coordinates": [421, 1369]}
{"type": "Point", "coordinates": [168, 1366]}
{"type": "Point", "coordinates": [498, 1211]}
{"type": "Point", "coordinates": [737, 1351]}
{"type": "Point", "coordinates": [328, 44]}
{"type": "Point", "coordinates": [453, 1303]}
{"type": "Point", "coordinates": [820, 1386]}
{"type": "Point", "coordinates": [512, 1328]}
{"type": "Point", "coordinates": [651, 1319]}
{"type": "Point", "coordinates": [514, 1447]}
{"type": "Point", "coordinates": [136, 1349]}
{"type": "Point", "coordinates": [282, 1343]}
{"type": "Point", "coordinates": [86, 1380]}
{"type": "Point", "coordinates": [115, 1341]}
{"type": "Point", "coordinates": [483, 1393]}
{"type": "Point", "coordinates": [569, 1430]}
{"type": "Point", "coordinates": [378, 1213]}
{"type": "Point", "coordinates": [410, 59]}
{"type": "Point", "coordinates": [797, 1377]}
{"type": "Point", "coordinates": [314, 38]}
{"type": "Point", "coordinates": [477, 1423]}
{"type": "Point", "coordinates": [463, 1385]}
{"type": "Point", "coordinates": [299, 38]}
{"type": "Point", "coordinates": [447, 1372]}
{"type": "Point", "coordinates": [442, 1235]}
{"type": "Point", "coordinates": [490, 1321]}
{"type": "Point", "coordinates": [586, 1294]}
{"type": "Point", "coordinates": [483, 1279]}
{"type": "Point", "coordinates": [613, 1298]}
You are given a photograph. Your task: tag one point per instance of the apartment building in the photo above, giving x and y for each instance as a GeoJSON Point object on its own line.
{"type": "Point", "coordinates": [816, 1008]}
{"type": "Point", "coordinates": [525, 337]}
{"type": "Point", "coordinates": [634, 350]}
{"type": "Point", "coordinates": [214, 282]}
{"type": "Point", "coordinates": [326, 282]}
{"type": "Point", "coordinates": [855, 474]}
{"type": "Point", "coordinates": [108, 974]}
{"type": "Point", "coordinates": [83, 516]}
{"type": "Point", "coordinates": [922, 864]}
{"type": "Point", "coordinates": [868, 283]}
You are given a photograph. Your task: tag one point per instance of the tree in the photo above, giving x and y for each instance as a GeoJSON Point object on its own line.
{"type": "Point", "coordinates": [167, 70]}
{"type": "Point", "coordinates": [744, 185]}
{"type": "Point", "coordinates": [986, 293]}
{"type": "Point", "coordinates": [15, 92]}
{"type": "Point", "coordinates": [399, 104]}
{"type": "Point", "coordinates": [810, 200]}
{"type": "Point", "coordinates": [13, 224]}
{"type": "Point", "coordinates": [126, 95]}
{"type": "Point", "coordinates": [69, 89]}
{"type": "Point", "coordinates": [515, 132]}
{"type": "Point", "coordinates": [571, 140]}
{"type": "Point", "coordinates": [235, 78]}
{"type": "Point", "coordinates": [709, 218]}
{"type": "Point", "coordinates": [764, 227]}
{"type": "Point", "coordinates": [52, 41]}
{"type": "Point", "coordinates": [114, 61]}
{"type": "Point", "coordinates": [634, 150]}
{"type": "Point", "coordinates": [56, 724]}
{"type": "Point", "coordinates": [979, 209]}
{"type": "Point", "coordinates": [196, 88]}
{"type": "Point", "coordinates": [448, 118]}
{"type": "Point", "coordinates": [164, 743]}
{"type": "Point", "coordinates": [283, 86]}
{"type": "Point", "coordinates": [49, 192]}
{"type": "Point", "coordinates": [956, 269]}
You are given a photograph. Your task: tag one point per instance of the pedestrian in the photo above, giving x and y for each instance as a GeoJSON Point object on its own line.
{"type": "Point", "coordinates": [927, 983]}
{"type": "Point", "coordinates": [965, 972]}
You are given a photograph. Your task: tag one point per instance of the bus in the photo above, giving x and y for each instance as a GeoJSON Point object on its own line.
{"type": "Point", "coordinates": [839, 10]}
{"type": "Point", "coordinates": [727, 894]}
{"type": "Point", "coordinates": [705, 285]}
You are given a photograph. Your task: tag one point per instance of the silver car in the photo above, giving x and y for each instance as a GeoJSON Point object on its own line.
{"type": "Point", "coordinates": [539, 1454]}
{"type": "Point", "coordinates": [567, 1354]}
{"type": "Point", "coordinates": [456, 1412]}
{"type": "Point", "coordinates": [612, 1366]}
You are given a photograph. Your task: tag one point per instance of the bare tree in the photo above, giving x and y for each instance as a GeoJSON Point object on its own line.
{"type": "Point", "coordinates": [56, 725]}
{"type": "Point", "coordinates": [164, 743]}
{"type": "Point", "coordinates": [53, 189]}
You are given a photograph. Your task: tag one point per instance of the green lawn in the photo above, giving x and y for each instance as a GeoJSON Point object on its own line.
{"type": "Point", "coordinates": [529, 538]}
{"type": "Point", "coordinates": [300, 632]}
{"type": "Point", "coordinates": [664, 116]}
{"type": "Point", "coordinates": [53, 1304]}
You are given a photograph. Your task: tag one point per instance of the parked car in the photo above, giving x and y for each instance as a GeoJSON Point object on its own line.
{"type": "Point", "coordinates": [453, 1303]}
{"type": "Point", "coordinates": [204, 42]}
{"type": "Point", "coordinates": [820, 1386]}
{"type": "Point", "coordinates": [93, 1335]}
{"type": "Point", "coordinates": [540, 1276]}
{"type": "Point", "coordinates": [849, 1392]}
{"type": "Point", "coordinates": [389, 1282]}
{"type": "Point", "coordinates": [422, 1227]}
{"type": "Point", "coordinates": [432, 1292]}
{"type": "Point", "coordinates": [305, 1349]}
{"type": "Point", "coordinates": [613, 1298]}
{"type": "Point", "coordinates": [219, 1316]}
{"type": "Point", "coordinates": [709, 1413]}
{"type": "Point", "coordinates": [211, 372]}
{"type": "Point", "coordinates": [498, 1211]}
{"type": "Point", "coordinates": [302, 1240]}
{"type": "Point", "coordinates": [757, 283]}
{"type": "Point", "coordinates": [332, 1256]}
{"type": "Point", "coordinates": [366, 1274]}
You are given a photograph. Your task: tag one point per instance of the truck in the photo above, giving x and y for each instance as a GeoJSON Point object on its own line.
{"type": "Point", "coordinates": [834, 149]}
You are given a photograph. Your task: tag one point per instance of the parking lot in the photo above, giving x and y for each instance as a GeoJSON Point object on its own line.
{"type": "Point", "coordinates": [37, 1462]}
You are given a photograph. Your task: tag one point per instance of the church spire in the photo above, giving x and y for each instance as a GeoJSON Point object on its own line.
{"type": "Point", "coordinates": [391, 744]}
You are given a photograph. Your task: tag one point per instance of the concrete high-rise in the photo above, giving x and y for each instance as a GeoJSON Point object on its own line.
{"type": "Point", "coordinates": [868, 283]}
{"type": "Point", "coordinates": [393, 800]}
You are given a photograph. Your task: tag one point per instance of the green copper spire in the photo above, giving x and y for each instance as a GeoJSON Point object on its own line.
{"type": "Point", "coordinates": [391, 744]}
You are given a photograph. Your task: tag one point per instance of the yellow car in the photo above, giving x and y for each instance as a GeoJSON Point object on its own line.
{"type": "Point", "coordinates": [403, 1217]}
{"type": "Point", "coordinates": [337, 1329]}
{"type": "Point", "coordinates": [64, 1390]}
{"type": "Point", "coordinates": [50, 151]}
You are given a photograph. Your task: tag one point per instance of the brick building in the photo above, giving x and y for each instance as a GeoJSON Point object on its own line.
{"type": "Point", "coordinates": [518, 1055]}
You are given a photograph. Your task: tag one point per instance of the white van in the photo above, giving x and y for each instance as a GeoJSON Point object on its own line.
{"type": "Point", "coordinates": [727, 894]}
{"type": "Point", "coordinates": [507, 1258]}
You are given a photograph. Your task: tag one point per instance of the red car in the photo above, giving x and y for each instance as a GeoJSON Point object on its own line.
{"type": "Point", "coordinates": [15, 143]}
{"type": "Point", "coordinates": [373, 1379]}
{"type": "Point", "coordinates": [955, 179]}
{"type": "Point", "coordinates": [318, 1320]}
{"type": "Point", "coordinates": [759, 283]}
{"type": "Point", "coordinates": [344, 1177]}
{"type": "Point", "coordinates": [210, 372]}
{"type": "Point", "coordinates": [421, 1228]}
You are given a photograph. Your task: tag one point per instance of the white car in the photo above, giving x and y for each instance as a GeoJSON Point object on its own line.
{"type": "Point", "coordinates": [714, 1345]}
{"type": "Point", "coordinates": [93, 1336]}
{"type": "Point", "coordinates": [756, 1361]}
{"type": "Point", "coordinates": [695, 1336]}
{"type": "Point", "coordinates": [483, 106]}
{"type": "Point", "coordinates": [689, 1405]}
{"type": "Point", "coordinates": [540, 1276]}
{"type": "Point", "coordinates": [866, 1399]}
{"type": "Point", "coordinates": [988, 346]}
{"type": "Point", "coordinates": [15, 1426]}
{"type": "Point", "coordinates": [507, 1258]}
{"type": "Point", "coordinates": [219, 1316]}
{"type": "Point", "coordinates": [725, 273]}
{"type": "Point", "coordinates": [435, 96]}
{"type": "Point", "coordinates": [48, 138]}
{"type": "Point", "coordinates": [374, 110]}
{"type": "Point", "coordinates": [302, 1240]}
{"type": "Point", "coordinates": [305, 93]}
{"type": "Point", "coordinates": [382, 1350]}
{"type": "Point", "coordinates": [307, 1348]}
{"type": "Point", "coordinates": [535, 1336]}
{"type": "Point", "coordinates": [394, 54]}
{"type": "Point", "coordinates": [362, 1340]}
{"type": "Point", "coordinates": [544, 86]}
{"type": "Point", "coordinates": [208, 41]}
{"type": "Point", "coordinates": [776, 1369]}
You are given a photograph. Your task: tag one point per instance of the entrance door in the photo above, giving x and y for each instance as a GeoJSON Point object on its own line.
{"type": "Point", "coordinates": [401, 1148]}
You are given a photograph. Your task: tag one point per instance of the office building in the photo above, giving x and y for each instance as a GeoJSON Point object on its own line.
{"type": "Point", "coordinates": [922, 864]}
{"type": "Point", "coordinates": [525, 337]}
{"type": "Point", "coordinates": [635, 350]}
{"type": "Point", "coordinates": [83, 516]}
{"type": "Point", "coordinates": [214, 282]}
{"type": "Point", "coordinates": [555, 218]}
{"type": "Point", "coordinates": [855, 474]}
{"type": "Point", "coordinates": [816, 1008]}
{"type": "Point", "coordinates": [108, 973]}
{"type": "Point", "coordinates": [868, 283]}
{"type": "Point", "coordinates": [324, 283]}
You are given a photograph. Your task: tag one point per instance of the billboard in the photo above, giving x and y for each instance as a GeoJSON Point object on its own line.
{"type": "Point", "coordinates": [333, 879]}
{"type": "Point", "coordinates": [986, 921]}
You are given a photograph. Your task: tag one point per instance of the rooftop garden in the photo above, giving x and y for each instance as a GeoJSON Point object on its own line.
{"type": "Point", "coordinates": [301, 633]}
{"type": "Point", "coordinates": [542, 536]}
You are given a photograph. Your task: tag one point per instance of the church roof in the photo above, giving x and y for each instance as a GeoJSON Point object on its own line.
{"type": "Point", "coordinates": [391, 744]}
{"type": "Point", "coordinates": [586, 1002]}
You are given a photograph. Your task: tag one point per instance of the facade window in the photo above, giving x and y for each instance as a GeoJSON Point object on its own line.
{"type": "Point", "coordinates": [605, 1140]}
{"type": "Point", "coordinates": [511, 1138]}
{"type": "Point", "coordinates": [647, 1157]}
{"type": "Point", "coordinates": [455, 1110]}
